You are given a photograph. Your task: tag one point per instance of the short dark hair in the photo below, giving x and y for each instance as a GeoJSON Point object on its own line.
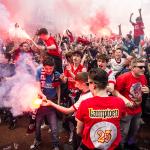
{"type": "Point", "coordinates": [137, 60]}
{"type": "Point", "coordinates": [82, 76]}
{"type": "Point", "coordinates": [129, 36]}
{"type": "Point", "coordinates": [78, 53]}
{"type": "Point", "coordinates": [42, 31]}
{"type": "Point", "coordinates": [102, 57]}
{"type": "Point", "coordinates": [99, 77]}
{"type": "Point", "coordinates": [68, 55]}
{"type": "Point", "coordinates": [119, 48]}
{"type": "Point", "coordinates": [21, 45]}
{"type": "Point", "coordinates": [49, 61]}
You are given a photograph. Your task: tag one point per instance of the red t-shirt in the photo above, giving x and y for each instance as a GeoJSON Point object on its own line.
{"type": "Point", "coordinates": [101, 117]}
{"type": "Point", "coordinates": [83, 40]}
{"type": "Point", "coordinates": [53, 52]}
{"type": "Point", "coordinates": [71, 80]}
{"type": "Point", "coordinates": [138, 28]}
{"type": "Point", "coordinates": [130, 87]}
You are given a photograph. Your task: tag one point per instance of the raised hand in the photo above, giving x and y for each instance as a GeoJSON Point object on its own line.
{"type": "Point", "coordinates": [140, 10]}
{"type": "Point", "coordinates": [46, 103]}
{"type": "Point", "coordinates": [131, 14]}
{"type": "Point", "coordinates": [68, 67]}
{"type": "Point", "coordinates": [145, 89]}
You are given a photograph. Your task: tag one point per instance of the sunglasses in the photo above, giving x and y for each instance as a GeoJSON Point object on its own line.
{"type": "Point", "coordinates": [140, 67]}
{"type": "Point", "coordinates": [88, 83]}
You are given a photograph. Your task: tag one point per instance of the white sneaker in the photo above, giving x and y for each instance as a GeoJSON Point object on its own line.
{"type": "Point", "coordinates": [142, 121]}
{"type": "Point", "coordinates": [35, 144]}
{"type": "Point", "coordinates": [49, 130]}
{"type": "Point", "coordinates": [43, 126]}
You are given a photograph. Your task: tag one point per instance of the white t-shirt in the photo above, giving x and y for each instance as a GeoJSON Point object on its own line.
{"type": "Point", "coordinates": [111, 77]}
{"type": "Point", "coordinates": [82, 98]}
{"type": "Point", "coordinates": [117, 66]}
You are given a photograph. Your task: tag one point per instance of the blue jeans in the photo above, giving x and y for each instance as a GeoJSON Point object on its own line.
{"type": "Point", "coordinates": [129, 128]}
{"type": "Point", "coordinates": [137, 40]}
{"type": "Point", "coordinates": [50, 114]}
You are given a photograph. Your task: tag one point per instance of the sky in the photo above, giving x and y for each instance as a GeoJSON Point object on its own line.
{"type": "Point", "coordinates": [119, 12]}
{"type": "Point", "coordinates": [80, 16]}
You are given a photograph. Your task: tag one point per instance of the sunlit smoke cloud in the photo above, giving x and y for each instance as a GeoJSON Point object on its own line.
{"type": "Point", "coordinates": [18, 32]}
{"type": "Point", "coordinates": [56, 15]}
{"type": "Point", "coordinates": [4, 20]}
{"type": "Point", "coordinates": [98, 22]}
{"type": "Point", "coordinates": [4, 17]}
{"type": "Point", "coordinates": [18, 91]}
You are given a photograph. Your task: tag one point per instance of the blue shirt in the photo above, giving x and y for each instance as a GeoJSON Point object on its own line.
{"type": "Point", "coordinates": [49, 89]}
{"type": "Point", "coordinates": [129, 46]}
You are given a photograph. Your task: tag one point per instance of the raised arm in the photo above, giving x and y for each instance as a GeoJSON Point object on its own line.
{"type": "Point", "coordinates": [140, 14]}
{"type": "Point", "coordinates": [41, 47]}
{"type": "Point", "coordinates": [131, 18]}
{"type": "Point", "coordinates": [62, 109]}
{"type": "Point", "coordinates": [120, 32]}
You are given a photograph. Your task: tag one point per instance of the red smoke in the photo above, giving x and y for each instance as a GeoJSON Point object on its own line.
{"type": "Point", "coordinates": [68, 15]}
{"type": "Point", "coordinates": [65, 6]}
{"type": "Point", "coordinates": [12, 9]}
{"type": "Point", "coordinates": [18, 11]}
{"type": "Point", "coordinates": [98, 22]}
{"type": "Point", "coordinates": [11, 6]}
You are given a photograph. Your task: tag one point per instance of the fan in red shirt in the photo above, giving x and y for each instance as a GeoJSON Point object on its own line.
{"type": "Point", "coordinates": [72, 69]}
{"type": "Point", "coordinates": [98, 118]}
{"type": "Point", "coordinates": [51, 47]}
{"type": "Point", "coordinates": [132, 85]}
{"type": "Point", "coordinates": [138, 28]}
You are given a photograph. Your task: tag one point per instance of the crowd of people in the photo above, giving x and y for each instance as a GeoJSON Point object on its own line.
{"type": "Point", "coordinates": [101, 84]}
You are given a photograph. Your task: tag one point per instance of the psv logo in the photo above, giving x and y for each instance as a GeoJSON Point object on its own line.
{"type": "Point", "coordinates": [103, 134]}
